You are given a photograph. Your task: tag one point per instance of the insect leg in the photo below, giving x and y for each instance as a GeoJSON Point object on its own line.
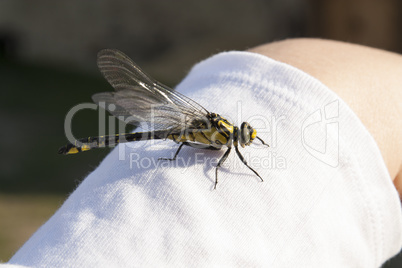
{"type": "Point", "coordinates": [175, 155]}
{"type": "Point", "coordinates": [224, 157]}
{"type": "Point", "coordinates": [263, 142]}
{"type": "Point", "coordinates": [245, 162]}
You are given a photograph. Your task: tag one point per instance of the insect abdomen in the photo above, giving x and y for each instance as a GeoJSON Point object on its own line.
{"type": "Point", "coordinates": [86, 144]}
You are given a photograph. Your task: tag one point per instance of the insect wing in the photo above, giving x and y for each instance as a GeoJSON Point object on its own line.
{"type": "Point", "coordinates": [141, 100]}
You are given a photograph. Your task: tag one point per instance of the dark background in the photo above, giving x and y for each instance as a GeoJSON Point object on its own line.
{"type": "Point", "coordinates": [48, 65]}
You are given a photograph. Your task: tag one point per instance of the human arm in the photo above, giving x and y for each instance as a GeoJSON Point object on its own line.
{"type": "Point", "coordinates": [369, 80]}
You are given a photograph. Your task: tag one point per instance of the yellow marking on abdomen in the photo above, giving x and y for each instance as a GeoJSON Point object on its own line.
{"type": "Point", "coordinates": [73, 150]}
{"type": "Point", "coordinates": [85, 147]}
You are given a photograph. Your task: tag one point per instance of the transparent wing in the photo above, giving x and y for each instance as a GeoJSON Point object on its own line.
{"type": "Point", "coordinates": [141, 100]}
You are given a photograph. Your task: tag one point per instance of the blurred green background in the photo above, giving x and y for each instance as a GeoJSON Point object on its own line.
{"type": "Point", "coordinates": [48, 65]}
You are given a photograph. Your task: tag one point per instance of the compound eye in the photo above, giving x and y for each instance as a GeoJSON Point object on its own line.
{"type": "Point", "coordinates": [244, 134]}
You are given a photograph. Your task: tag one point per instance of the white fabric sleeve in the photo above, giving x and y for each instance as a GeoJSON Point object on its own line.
{"type": "Point", "coordinates": [327, 199]}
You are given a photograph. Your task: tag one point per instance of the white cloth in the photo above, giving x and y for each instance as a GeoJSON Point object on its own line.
{"type": "Point", "coordinates": [327, 199]}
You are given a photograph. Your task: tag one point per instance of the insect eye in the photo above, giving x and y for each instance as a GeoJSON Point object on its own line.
{"type": "Point", "coordinates": [244, 134]}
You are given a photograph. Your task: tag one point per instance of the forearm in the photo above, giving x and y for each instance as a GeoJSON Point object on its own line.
{"type": "Point", "coordinates": [369, 80]}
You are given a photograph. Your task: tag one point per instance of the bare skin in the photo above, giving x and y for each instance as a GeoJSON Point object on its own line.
{"type": "Point", "coordinates": [369, 80]}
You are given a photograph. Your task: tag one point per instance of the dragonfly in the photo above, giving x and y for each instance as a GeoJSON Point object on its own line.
{"type": "Point", "coordinates": [162, 112]}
